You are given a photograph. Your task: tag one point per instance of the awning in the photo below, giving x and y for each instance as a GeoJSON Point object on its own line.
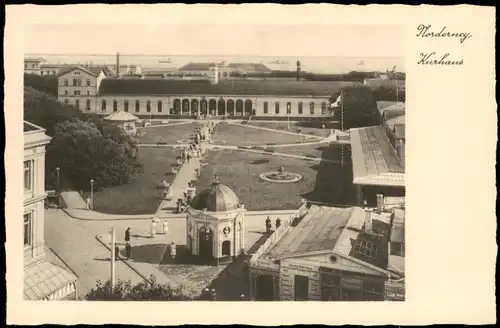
{"type": "Point", "coordinates": [374, 161]}
{"type": "Point", "coordinates": [44, 280]}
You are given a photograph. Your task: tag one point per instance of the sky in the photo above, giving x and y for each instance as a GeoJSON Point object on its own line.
{"type": "Point", "coordinates": [318, 46]}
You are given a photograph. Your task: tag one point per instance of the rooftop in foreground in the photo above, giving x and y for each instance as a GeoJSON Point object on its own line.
{"type": "Point", "coordinates": [374, 160]}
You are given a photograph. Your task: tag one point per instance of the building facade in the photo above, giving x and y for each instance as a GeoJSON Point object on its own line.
{"type": "Point", "coordinates": [43, 280]}
{"type": "Point", "coordinates": [94, 93]}
{"type": "Point", "coordinates": [332, 254]}
{"type": "Point", "coordinates": [32, 65]}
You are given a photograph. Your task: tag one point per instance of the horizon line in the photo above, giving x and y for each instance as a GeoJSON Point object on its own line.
{"type": "Point", "coordinates": [212, 55]}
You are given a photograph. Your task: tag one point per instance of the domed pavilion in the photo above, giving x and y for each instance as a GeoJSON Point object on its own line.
{"type": "Point", "coordinates": [215, 224]}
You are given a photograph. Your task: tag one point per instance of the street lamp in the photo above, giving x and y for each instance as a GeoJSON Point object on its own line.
{"type": "Point", "coordinates": [57, 170]}
{"type": "Point", "coordinates": [92, 194]}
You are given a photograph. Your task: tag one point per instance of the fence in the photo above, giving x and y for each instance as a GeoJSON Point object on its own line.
{"type": "Point", "coordinates": [279, 232]}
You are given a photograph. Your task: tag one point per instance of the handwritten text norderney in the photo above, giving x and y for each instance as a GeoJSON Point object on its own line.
{"type": "Point", "coordinates": [432, 58]}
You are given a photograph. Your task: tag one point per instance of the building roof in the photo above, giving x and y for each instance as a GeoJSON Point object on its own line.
{"type": "Point", "coordinates": [34, 135]}
{"type": "Point", "coordinates": [29, 127]}
{"type": "Point", "coordinates": [121, 117]}
{"type": "Point", "coordinates": [387, 83]}
{"type": "Point", "coordinates": [374, 161]}
{"type": "Point", "coordinates": [43, 278]}
{"type": "Point", "coordinates": [216, 198]}
{"type": "Point", "coordinates": [249, 67]}
{"type": "Point", "coordinates": [336, 230]}
{"type": "Point", "coordinates": [225, 87]}
{"type": "Point", "coordinates": [395, 120]}
{"type": "Point", "coordinates": [319, 230]}
{"type": "Point", "coordinates": [196, 67]}
{"type": "Point", "coordinates": [384, 104]}
{"type": "Point", "coordinates": [391, 108]}
{"type": "Point", "coordinates": [92, 70]}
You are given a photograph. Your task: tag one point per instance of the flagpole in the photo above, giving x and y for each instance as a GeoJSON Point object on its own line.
{"type": "Point", "coordinates": [342, 125]}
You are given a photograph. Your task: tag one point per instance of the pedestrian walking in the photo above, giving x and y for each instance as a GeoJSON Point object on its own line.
{"type": "Point", "coordinates": [173, 250]}
{"type": "Point", "coordinates": [268, 225]}
{"type": "Point", "coordinates": [88, 202]}
{"type": "Point", "coordinates": [127, 234]}
{"type": "Point", "coordinates": [153, 227]}
{"type": "Point", "coordinates": [188, 157]}
{"type": "Point", "coordinates": [213, 294]}
{"type": "Point", "coordinates": [117, 252]}
{"type": "Point", "coordinates": [165, 226]}
{"type": "Point", "coordinates": [278, 223]}
{"type": "Point", "coordinates": [128, 250]}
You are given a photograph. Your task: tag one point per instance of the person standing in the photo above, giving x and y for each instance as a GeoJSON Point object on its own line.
{"type": "Point", "coordinates": [88, 202]}
{"type": "Point", "coordinates": [268, 225]}
{"type": "Point", "coordinates": [165, 226]}
{"type": "Point", "coordinates": [278, 223]}
{"type": "Point", "coordinates": [213, 294]}
{"type": "Point", "coordinates": [188, 157]}
{"type": "Point", "coordinates": [153, 227]}
{"type": "Point", "coordinates": [128, 250]}
{"type": "Point", "coordinates": [173, 250]}
{"type": "Point", "coordinates": [117, 252]}
{"type": "Point", "coordinates": [127, 234]}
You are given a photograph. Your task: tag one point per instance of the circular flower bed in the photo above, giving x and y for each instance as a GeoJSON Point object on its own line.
{"type": "Point", "coordinates": [281, 177]}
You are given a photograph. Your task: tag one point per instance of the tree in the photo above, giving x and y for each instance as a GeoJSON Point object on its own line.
{"type": "Point", "coordinates": [143, 291]}
{"type": "Point", "coordinates": [85, 150]}
{"type": "Point", "coordinates": [359, 107]}
{"type": "Point", "coordinates": [47, 84]}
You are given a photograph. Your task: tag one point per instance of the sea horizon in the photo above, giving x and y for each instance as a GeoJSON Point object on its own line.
{"type": "Point", "coordinates": [316, 64]}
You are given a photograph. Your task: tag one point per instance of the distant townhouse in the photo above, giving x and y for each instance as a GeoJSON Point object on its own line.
{"type": "Point", "coordinates": [32, 65]}
{"type": "Point", "coordinates": [159, 97]}
{"type": "Point", "coordinates": [46, 277]}
{"type": "Point", "coordinates": [332, 254]}
{"type": "Point", "coordinates": [378, 157]}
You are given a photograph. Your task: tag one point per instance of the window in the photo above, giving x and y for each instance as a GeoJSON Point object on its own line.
{"type": "Point", "coordinates": [397, 249]}
{"type": "Point", "coordinates": [115, 105]}
{"type": "Point", "coordinates": [323, 108]}
{"type": "Point", "coordinates": [88, 83]}
{"type": "Point", "coordinates": [76, 92]}
{"type": "Point", "coordinates": [148, 106]}
{"type": "Point", "coordinates": [103, 105]}
{"type": "Point", "coordinates": [54, 72]}
{"type": "Point", "coordinates": [33, 66]}
{"type": "Point", "coordinates": [65, 92]}
{"type": "Point", "coordinates": [300, 108]}
{"type": "Point", "coordinates": [66, 82]}
{"type": "Point", "coordinates": [28, 175]}
{"type": "Point", "coordinates": [25, 65]}
{"type": "Point", "coordinates": [366, 248]}
{"type": "Point", "coordinates": [77, 104]}
{"type": "Point", "coordinates": [87, 104]}
{"type": "Point", "coordinates": [311, 108]}
{"type": "Point", "coordinates": [289, 108]}
{"type": "Point", "coordinates": [265, 107]}
{"type": "Point", "coordinates": [137, 105]}
{"type": "Point", "coordinates": [41, 73]}
{"type": "Point", "coordinates": [77, 73]}
{"type": "Point", "coordinates": [160, 106]}
{"type": "Point", "coordinates": [301, 286]}
{"type": "Point", "coordinates": [66, 101]}
{"type": "Point", "coordinates": [125, 105]}
{"type": "Point", "coordinates": [88, 92]}
{"type": "Point", "coordinates": [28, 229]}
{"type": "Point", "coordinates": [277, 107]}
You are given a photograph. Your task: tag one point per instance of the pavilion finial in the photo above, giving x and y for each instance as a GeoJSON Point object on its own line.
{"type": "Point", "coordinates": [216, 178]}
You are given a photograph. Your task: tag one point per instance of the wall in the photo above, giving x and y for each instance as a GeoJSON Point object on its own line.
{"type": "Point", "coordinates": [87, 91]}
{"type": "Point", "coordinates": [288, 269]}
{"type": "Point", "coordinates": [168, 105]}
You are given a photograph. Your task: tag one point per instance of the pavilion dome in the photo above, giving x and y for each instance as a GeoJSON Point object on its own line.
{"type": "Point", "coordinates": [216, 198]}
{"type": "Point", "coordinates": [121, 117]}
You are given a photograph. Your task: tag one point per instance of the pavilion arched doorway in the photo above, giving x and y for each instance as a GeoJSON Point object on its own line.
{"type": "Point", "coordinates": [265, 288]}
{"type": "Point", "coordinates": [185, 107]}
{"type": "Point", "coordinates": [177, 106]}
{"type": "Point", "coordinates": [226, 248]}
{"type": "Point", "coordinates": [221, 107]}
{"type": "Point", "coordinates": [230, 107]}
{"type": "Point", "coordinates": [239, 107]}
{"type": "Point", "coordinates": [203, 107]}
{"type": "Point", "coordinates": [194, 107]}
{"type": "Point", "coordinates": [212, 105]}
{"type": "Point", "coordinates": [205, 243]}
{"type": "Point", "coordinates": [248, 107]}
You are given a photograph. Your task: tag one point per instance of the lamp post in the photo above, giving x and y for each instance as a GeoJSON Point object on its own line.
{"type": "Point", "coordinates": [92, 194]}
{"type": "Point", "coordinates": [113, 256]}
{"type": "Point", "coordinates": [57, 171]}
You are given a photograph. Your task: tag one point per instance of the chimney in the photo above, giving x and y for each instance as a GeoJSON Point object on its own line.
{"type": "Point", "coordinates": [298, 70]}
{"type": "Point", "coordinates": [368, 220]}
{"type": "Point", "coordinates": [380, 203]}
{"type": "Point", "coordinates": [117, 64]}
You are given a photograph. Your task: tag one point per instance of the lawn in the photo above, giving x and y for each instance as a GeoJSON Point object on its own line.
{"type": "Point", "coordinates": [240, 171]}
{"type": "Point", "coordinates": [169, 134]}
{"type": "Point", "coordinates": [305, 127]}
{"type": "Point", "coordinates": [240, 135]}
{"type": "Point", "coordinates": [141, 195]}
{"type": "Point", "coordinates": [325, 151]}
